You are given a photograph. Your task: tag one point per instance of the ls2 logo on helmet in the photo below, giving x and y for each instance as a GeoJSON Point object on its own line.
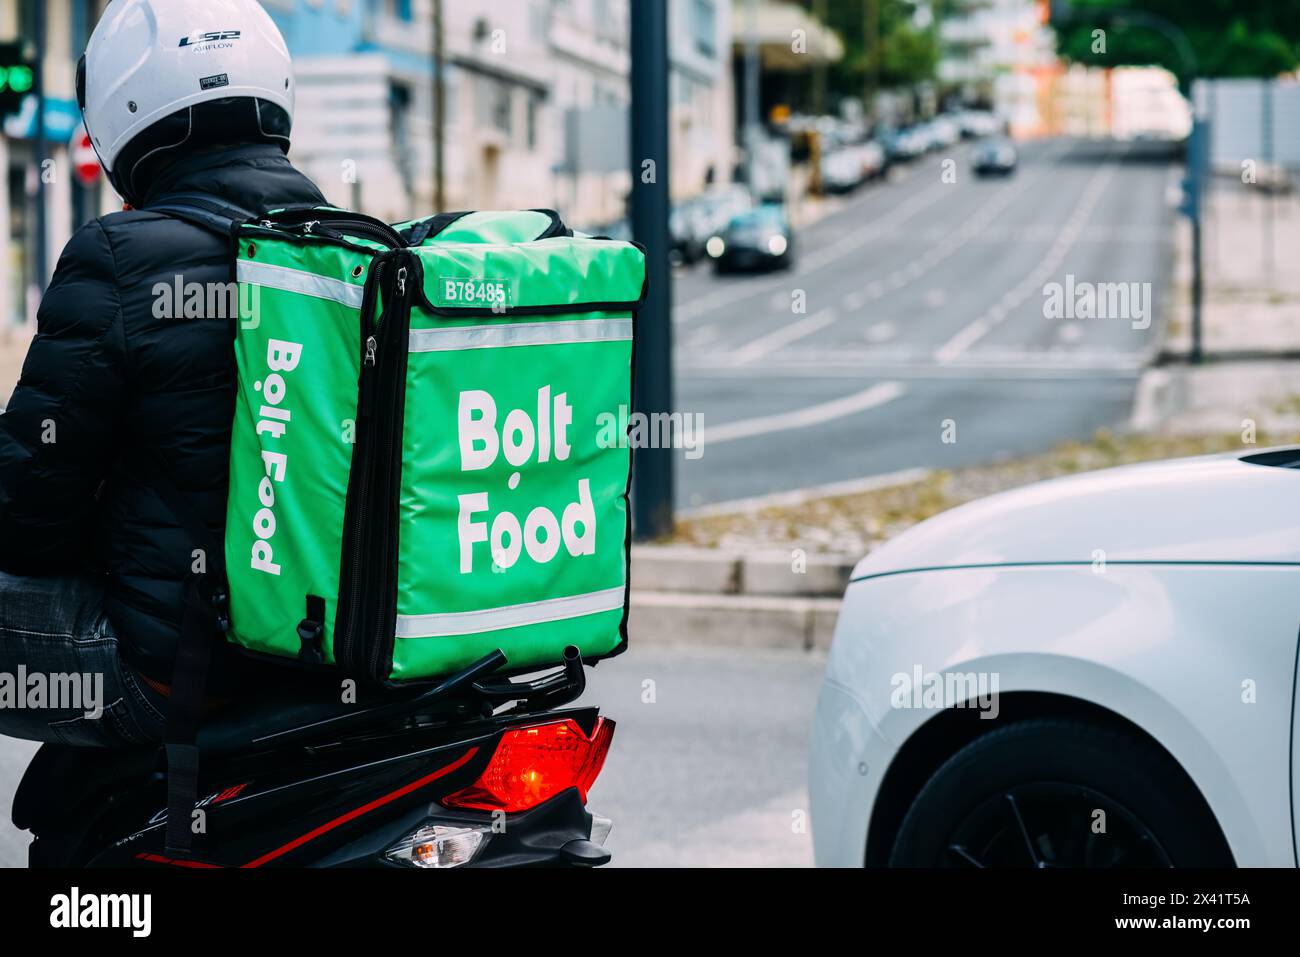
{"type": "Point", "coordinates": [203, 41]}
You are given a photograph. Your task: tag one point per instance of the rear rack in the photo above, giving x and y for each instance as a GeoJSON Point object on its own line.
{"type": "Point", "coordinates": [468, 693]}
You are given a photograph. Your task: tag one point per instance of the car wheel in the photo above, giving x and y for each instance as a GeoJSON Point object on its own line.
{"type": "Point", "coordinates": [1059, 793]}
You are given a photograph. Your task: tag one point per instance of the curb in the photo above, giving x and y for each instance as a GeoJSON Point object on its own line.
{"type": "Point", "coordinates": [772, 572]}
{"type": "Point", "coordinates": [733, 621]}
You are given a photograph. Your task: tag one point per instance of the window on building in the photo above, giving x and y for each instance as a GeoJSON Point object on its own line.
{"type": "Point", "coordinates": [704, 25]}
{"type": "Point", "coordinates": [402, 9]}
{"type": "Point", "coordinates": [493, 104]}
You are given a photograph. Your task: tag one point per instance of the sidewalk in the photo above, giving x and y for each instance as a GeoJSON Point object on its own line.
{"type": "Point", "coordinates": [1251, 318]}
{"type": "Point", "coordinates": [1251, 283]}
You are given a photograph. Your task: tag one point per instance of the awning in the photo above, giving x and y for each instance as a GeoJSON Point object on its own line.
{"type": "Point", "coordinates": [779, 27]}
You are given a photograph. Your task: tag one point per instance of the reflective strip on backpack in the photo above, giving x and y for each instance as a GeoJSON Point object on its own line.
{"type": "Point", "coordinates": [504, 335]}
{"type": "Point", "coordinates": [454, 624]}
{"type": "Point", "coordinates": [299, 281]}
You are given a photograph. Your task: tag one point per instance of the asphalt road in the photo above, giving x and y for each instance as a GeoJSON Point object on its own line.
{"type": "Point", "coordinates": [709, 762]}
{"type": "Point", "coordinates": [924, 302]}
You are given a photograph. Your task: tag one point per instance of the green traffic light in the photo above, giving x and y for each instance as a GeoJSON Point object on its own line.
{"type": "Point", "coordinates": [17, 79]}
{"type": "Point", "coordinates": [20, 79]}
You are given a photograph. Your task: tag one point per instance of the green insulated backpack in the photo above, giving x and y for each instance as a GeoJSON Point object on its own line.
{"type": "Point", "coordinates": [424, 463]}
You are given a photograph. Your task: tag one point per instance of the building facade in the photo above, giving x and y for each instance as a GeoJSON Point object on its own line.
{"type": "Point", "coordinates": [536, 103]}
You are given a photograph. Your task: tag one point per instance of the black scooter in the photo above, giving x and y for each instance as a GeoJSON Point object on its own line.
{"type": "Point", "coordinates": [479, 770]}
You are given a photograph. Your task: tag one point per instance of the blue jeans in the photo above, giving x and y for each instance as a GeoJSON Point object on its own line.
{"type": "Point", "coordinates": [61, 677]}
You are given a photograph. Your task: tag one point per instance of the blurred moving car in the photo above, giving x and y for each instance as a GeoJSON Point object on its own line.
{"type": "Point", "coordinates": [718, 206]}
{"type": "Point", "coordinates": [759, 238]}
{"type": "Point", "coordinates": [995, 156]}
{"type": "Point", "coordinates": [998, 686]}
{"type": "Point", "coordinates": [978, 123]}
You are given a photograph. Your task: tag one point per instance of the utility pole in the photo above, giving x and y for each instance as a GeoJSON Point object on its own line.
{"type": "Point", "coordinates": [752, 103]}
{"type": "Point", "coordinates": [872, 38]}
{"type": "Point", "coordinates": [41, 259]}
{"type": "Point", "coordinates": [819, 68]}
{"type": "Point", "coordinates": [439, 111]}
{"type": "Point", "coordinates": [652, 497]}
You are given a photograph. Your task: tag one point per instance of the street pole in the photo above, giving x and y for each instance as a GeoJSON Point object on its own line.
{"type": "Point", "coordinates": [439, 111]}
{"type": "Point", "coordinates": [752, 102]}
{"type": "Point", "coordinates": [648, 125]}
{"type": "Point", "coordinates": [819, 68]}
{"type": "Point", "coordinates": [1266, 135]}
{"type": "Point", "coordinates": [41, 258]}
{"type": "Point", "coordinates": [872, 33]}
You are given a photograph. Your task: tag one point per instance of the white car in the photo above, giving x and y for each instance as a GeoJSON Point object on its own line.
{"type": "Point", "coordinates": [1097, 670]}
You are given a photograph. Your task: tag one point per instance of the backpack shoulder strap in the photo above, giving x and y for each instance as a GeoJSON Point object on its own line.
{"type": "Point", "coordinates": [207, 212]}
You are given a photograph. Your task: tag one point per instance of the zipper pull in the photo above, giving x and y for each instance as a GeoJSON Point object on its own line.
{"type": "Point", "coordinates": [371, 347]}
{"type": "Point", "coordinates": [401, 281]}
{"type": "Point", "coordinates": [309, 225]}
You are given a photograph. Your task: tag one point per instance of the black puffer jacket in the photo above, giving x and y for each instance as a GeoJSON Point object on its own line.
{"type": "Point", "coordinates": [107, 385]}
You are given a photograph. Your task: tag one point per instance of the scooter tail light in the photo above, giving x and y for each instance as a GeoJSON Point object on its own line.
{"type": "Point", "coordinates": [533, 764]}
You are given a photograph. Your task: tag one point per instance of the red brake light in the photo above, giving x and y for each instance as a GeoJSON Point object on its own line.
{"type": "Point", "coordinates": [531, 765]}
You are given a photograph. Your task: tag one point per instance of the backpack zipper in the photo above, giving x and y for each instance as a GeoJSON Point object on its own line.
{"type": "Point", "coordinates": [367, 593]}
{"type": "Point", "coordinates": [337, 226]}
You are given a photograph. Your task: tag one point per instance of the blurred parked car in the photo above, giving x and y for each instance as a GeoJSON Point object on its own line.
{"type": "Point", "coordinates": [912, 142]}
{"type": "Point", "coordinates": [842, 171]}
{"type": "Point", "coordinates": [757, 239]}
{"type": "Point", "coordinates": [619, 229]}
{"type": "Point", "coordinates": [944, 132]}
{"type": "Point", "coordinates": [690, 225]}
{"type": "Point", "coordinates": [995, 156]}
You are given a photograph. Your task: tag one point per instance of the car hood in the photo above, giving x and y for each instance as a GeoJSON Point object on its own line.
{"type": "Point", "coordinates": [1218, 508]}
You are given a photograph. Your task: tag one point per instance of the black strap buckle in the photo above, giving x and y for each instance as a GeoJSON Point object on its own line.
{"type": "Point", "coordinates": [311, 631]}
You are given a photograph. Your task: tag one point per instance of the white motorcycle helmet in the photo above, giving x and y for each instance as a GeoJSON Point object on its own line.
{"type": "Point", "coordinates": [159, 75]}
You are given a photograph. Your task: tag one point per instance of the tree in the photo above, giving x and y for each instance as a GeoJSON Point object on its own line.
{"type": "Point", "coordinates": [1226, 37]}
{"type": "Point", "coordinates": [909, 50]}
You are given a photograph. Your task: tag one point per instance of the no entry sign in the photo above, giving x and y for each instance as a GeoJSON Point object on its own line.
{"type": "Point", "coordinates": [84, 160]}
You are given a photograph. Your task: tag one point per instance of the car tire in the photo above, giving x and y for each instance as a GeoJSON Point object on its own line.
{"type": "Point", "coordinates": [1029, 794]}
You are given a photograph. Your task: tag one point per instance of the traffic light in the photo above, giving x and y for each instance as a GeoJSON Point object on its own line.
{"type": "Point", "coordinates": [16, 77]}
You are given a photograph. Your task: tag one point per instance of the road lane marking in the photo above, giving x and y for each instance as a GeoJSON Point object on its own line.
{"type": "Point", "coordinates": [877, 395]}
{"type": "Point", "coordinates": [784, 336]}
{"type": "Point", "coordinates": [954, 348]}
{"type": "Point", "coordinates": [963, 340]}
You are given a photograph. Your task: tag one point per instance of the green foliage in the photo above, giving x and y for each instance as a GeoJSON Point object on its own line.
{"type": "Point", "coordinates": [1227, 37]}
{"type": "Point", "coordinates": [908, 53]}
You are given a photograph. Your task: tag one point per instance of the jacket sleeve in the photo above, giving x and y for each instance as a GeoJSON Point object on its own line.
{"type": "Point", "coordinates": [60, 430]}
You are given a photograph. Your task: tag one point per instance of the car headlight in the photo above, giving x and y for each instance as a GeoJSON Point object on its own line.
{"type": "Point", "coordinates": [777, 245]}
{"type": "Point", "coordinates": [715, 247]}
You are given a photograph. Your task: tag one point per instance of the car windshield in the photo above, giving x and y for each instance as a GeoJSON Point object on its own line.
{"type": "Point", "coordinates": [763, 216]}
